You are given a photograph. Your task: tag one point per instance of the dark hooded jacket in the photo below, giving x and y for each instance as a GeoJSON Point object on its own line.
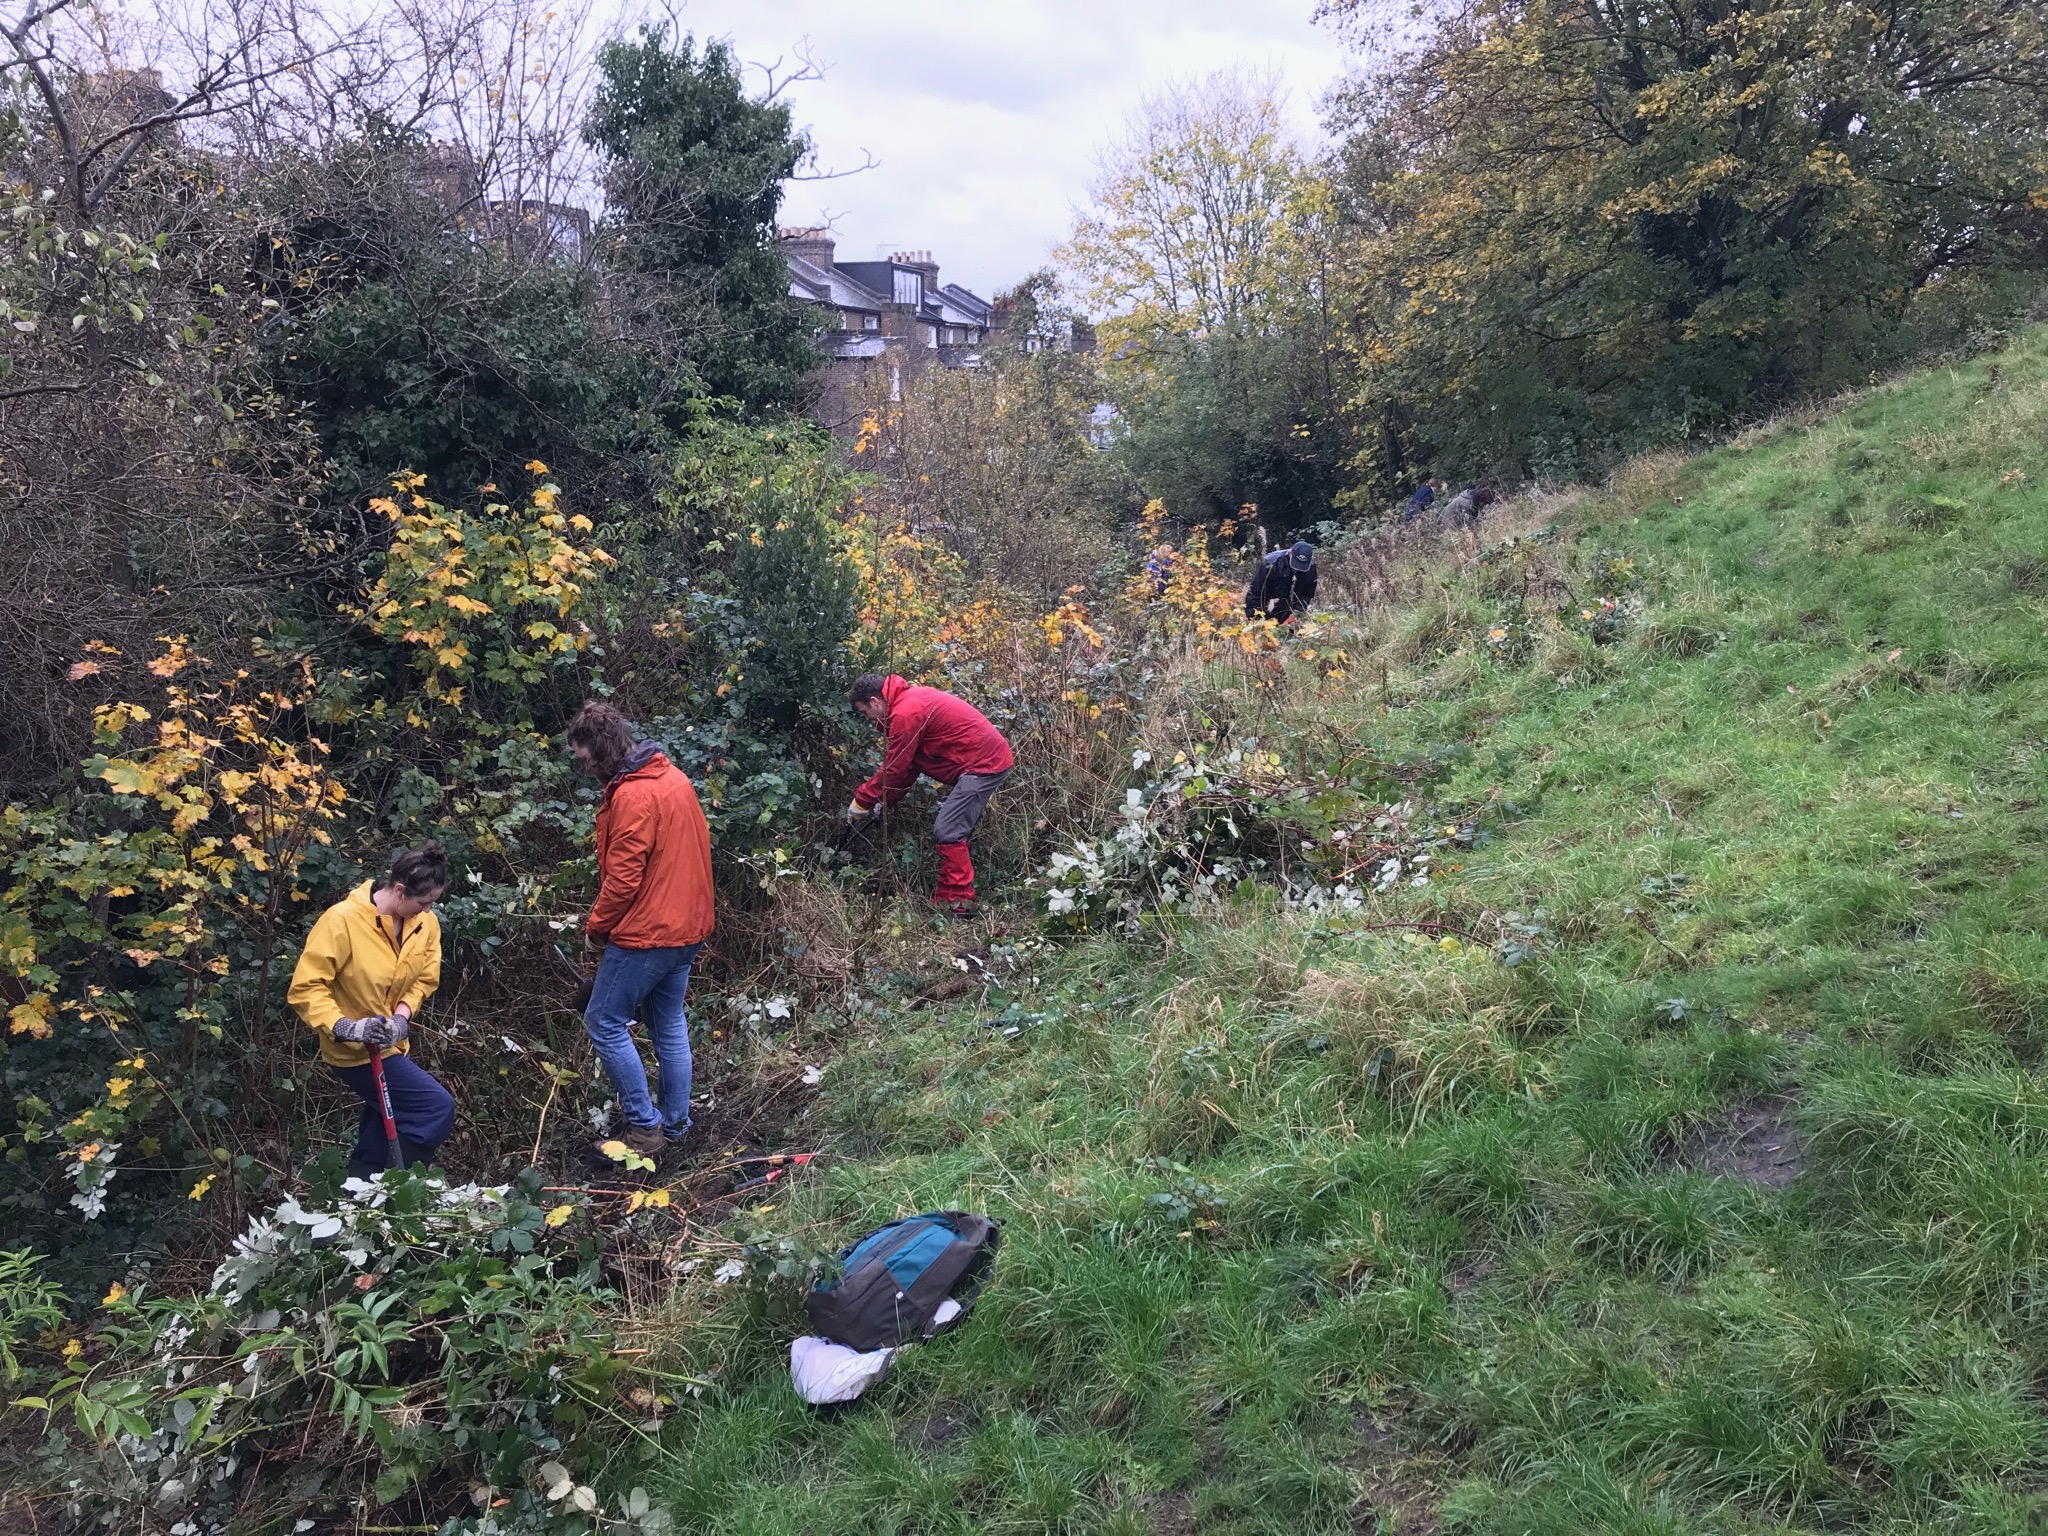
{"type": "Point", "coordinates": [1278, 590]}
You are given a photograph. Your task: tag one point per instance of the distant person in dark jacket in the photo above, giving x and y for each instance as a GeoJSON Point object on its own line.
{"type": "Point", "coordinates": [1460, 516]}
{"type": "Point", "coordinates": [1423, 499]}
{"type": "Point", "coordinates": [1283, 585]}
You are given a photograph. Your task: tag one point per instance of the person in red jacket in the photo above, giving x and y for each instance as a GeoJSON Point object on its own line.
{"type": "Point", "coordinates": [652, 915]}
{"type": "Point", "coordinates": [932, 732]}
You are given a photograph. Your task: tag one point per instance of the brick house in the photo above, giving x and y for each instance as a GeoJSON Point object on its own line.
{"type": "Point", "coordinates": [880, 321]}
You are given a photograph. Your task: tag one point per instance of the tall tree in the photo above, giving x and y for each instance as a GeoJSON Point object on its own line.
{"type": "Point", "coordinates": [1589, 222]}
{"type": "Point", "coordinates": [419, 339]}
{"type": "Point", "coordinates": [694, 171]}
{"type": "Point", "coordinates": [1206, 250]}
{"type": "Point", "coordinates": [1189, 229]}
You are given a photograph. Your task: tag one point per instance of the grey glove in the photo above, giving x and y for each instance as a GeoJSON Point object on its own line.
{"type": "Point", "coordinates": [396, 1028]}
{"type": "Point", "coordinates": [375, 1031]}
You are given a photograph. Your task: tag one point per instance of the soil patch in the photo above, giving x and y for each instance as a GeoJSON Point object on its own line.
{"type": "Point", "coordinates": [1471, 1270]}
{"type": "Point", "coordinates": [1398, 1488]}
{"type": "Point", "coordinates": [938, 1431]}
{"type": "Point", "coordinates": [1171, 1514]}
{"type": "Point", "coordinates": [1755, 1142]}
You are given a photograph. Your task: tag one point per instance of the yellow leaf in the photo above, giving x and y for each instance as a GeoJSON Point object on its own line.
{"type": "Point", "coordinates": [80, 670]}
{"type": "Point", "coordinates": [114, 1293]}
{"type": "Point", "coordinates": [560, 1214]}
{"type": "Point", "coordinates": [73, 1349]}
{"type": "Point", "coordinates": [31, 1018]}
{"type": "Point", "coordinates": [535, 467]}
{"type": "Point", "coordinates": [129, 777]}
{"type": "Point", "coordinates": [199, 1190]}
{"type": "Point", "coordinates": [176, 658]}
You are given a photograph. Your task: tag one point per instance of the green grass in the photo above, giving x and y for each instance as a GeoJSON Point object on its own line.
{"type": "Point", "coordinates": [1307, 1229]}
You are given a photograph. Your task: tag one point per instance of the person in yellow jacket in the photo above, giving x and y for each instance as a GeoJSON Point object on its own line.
{"type": "Point", "coordinates": [370, 961]}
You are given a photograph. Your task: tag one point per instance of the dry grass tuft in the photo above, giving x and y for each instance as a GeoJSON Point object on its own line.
{"type": "Point", "coordinates": [1421, 1034]}
{"type": "Point", "coordinates": [1647, 478]}
{"type": "Point", "coordinates": [1692, 624]}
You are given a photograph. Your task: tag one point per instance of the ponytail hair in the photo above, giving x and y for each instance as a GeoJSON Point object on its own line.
{"type": "Point", "coordinates": [420, 872]}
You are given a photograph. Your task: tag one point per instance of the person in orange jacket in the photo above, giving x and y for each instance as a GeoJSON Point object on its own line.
{"type": "Point", "coordinates": [652, 915]}
{"type": "Point", "coordinates": [368, 964]}
{"type": "Point", "coordinates": [946, 738]}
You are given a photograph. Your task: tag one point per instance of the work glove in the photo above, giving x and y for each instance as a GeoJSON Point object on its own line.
{"type": "Point", "coordinates": [360, 1031]}
{"type": "Point", "coordinates": [396, 1028]}
{"type": "Point", "coordinates": [855, 811]}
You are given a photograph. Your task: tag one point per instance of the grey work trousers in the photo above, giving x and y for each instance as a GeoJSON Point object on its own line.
{"type": "Point", "coordinates": [961, 810]}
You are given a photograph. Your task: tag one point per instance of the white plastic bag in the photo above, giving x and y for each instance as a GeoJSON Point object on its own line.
{"type": "Point", "coordinates": [824, 1372]}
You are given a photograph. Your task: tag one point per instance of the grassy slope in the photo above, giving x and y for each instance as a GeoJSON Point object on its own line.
{"type": "Point", "coordinates": [1498, 1292]}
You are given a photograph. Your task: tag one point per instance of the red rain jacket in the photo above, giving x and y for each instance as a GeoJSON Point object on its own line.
{"type": "Point", "coordinates": [934, 733]}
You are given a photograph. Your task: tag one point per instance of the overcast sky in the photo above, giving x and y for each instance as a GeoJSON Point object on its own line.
{"type": "Point", "coordinates": [987, 115]}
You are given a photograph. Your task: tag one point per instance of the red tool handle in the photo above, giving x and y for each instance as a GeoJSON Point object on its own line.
{"type": "Point", "coordinates": [394, 1158]}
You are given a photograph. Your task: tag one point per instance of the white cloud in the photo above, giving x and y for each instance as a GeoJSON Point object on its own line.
{"type": "Point", "coordinates": [987, 118]}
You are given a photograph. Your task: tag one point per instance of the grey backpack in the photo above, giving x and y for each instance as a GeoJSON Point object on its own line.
{"type": "Point", "coordinates": [894, 1280]}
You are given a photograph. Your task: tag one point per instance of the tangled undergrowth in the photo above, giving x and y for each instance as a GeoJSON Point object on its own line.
{"type": "Point", "coordinates": [1574, 1078]}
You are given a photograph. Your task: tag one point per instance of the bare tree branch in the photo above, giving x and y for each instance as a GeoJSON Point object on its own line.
{"type": "Point", "coordinates": [40, 389]}
{"type": "Point", "coordinates": [17, 37]}
{"type": "Point", "coordinates": [868, 163]}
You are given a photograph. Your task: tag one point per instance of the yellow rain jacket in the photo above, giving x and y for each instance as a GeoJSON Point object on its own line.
{"type": "Point", "coordinates": [354, 968]}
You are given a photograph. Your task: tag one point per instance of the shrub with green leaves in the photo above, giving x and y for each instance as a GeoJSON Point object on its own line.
{"type": "Point", "coordinates": [374, 1339]}
{"type": "Point", "coordinates": [1325, 834]}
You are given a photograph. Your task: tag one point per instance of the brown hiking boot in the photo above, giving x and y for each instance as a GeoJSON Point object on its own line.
{"type": "Point", "coordinates": [648, 1143]}
{"type": "Point", "coordinates": [651, 1142]}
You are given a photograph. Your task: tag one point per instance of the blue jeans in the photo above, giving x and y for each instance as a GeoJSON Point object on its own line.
{"type": "Point", "coordinates": [422, 1109]}
{"type": "Point", "coordinates": [651, 983]}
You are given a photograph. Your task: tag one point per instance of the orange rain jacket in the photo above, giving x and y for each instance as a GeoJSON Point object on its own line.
{"type": "Point", "coordinates": [653, 858]}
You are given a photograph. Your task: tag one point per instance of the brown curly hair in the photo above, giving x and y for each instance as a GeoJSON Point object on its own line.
{"type": "Point", "coordinates": [601, 730]}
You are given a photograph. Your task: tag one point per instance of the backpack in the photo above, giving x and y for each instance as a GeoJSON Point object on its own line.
{"type": "Point", "coordinates": [895, 1279]}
